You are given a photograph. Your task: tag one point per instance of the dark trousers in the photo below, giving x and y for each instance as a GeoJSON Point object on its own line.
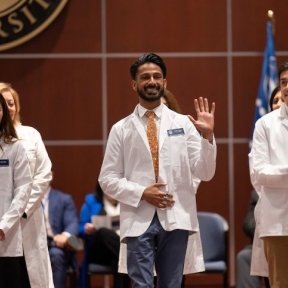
{"type": "Point", "coordinates": [61, 260]}
{"type": "Point", "coordinates": [266, 281]}
{"type": "Point", "coordinates": [165, 249]}
{"type": "Point", "coordinates": [103, 248]}
{"type": "Point", "coordinates": [13, 272]}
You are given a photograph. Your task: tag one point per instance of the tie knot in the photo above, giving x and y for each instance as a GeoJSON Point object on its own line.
{"type": "Point", "coordinates": [150, 114]}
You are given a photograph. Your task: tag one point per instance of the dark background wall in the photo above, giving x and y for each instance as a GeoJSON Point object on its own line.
{"type": "Point", "coordinates": [74, 83]}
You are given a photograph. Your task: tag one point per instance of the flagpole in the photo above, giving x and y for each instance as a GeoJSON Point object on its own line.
{"type": "Point", "coordinates": [271, 18]}
{"type": "Point", "coordinates": [269, 78]}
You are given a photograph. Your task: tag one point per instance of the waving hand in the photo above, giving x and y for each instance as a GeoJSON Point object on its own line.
{"type": "Point", "coordinates": [205, 118]}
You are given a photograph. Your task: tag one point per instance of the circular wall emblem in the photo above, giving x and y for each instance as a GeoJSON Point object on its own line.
{"type": "Point", "coordinates": [21, 20]}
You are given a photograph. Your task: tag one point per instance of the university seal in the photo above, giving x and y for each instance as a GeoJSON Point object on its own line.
{"type": "Point", "coordinates": [21, 20]}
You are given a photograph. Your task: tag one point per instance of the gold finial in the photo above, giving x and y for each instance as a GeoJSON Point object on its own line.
{"type": "Point", "coordinates": [271, 17]}
{"type": "Point", "coordinates": [270, 14]}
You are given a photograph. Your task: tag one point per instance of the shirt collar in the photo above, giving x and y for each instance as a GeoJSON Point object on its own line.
{"type": "Point", "coordinates": [158, 110]}
{"type": "Point", "coordinates": [283, 110]}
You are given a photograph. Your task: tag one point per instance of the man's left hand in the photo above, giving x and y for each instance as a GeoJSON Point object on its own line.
{"type": "Point", "coordinates": [205, 118]}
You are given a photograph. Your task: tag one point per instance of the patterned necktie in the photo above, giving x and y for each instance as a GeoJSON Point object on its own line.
{"type": "Point", "coordinates": [153, 141]}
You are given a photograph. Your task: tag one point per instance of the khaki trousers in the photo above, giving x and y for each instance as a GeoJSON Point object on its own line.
{"type": "Point", "coordinates": [276, 251]}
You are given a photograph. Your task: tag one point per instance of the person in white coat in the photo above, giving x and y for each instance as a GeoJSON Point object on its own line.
{"type": "Point", "coordinates": [15, 189]}
{"type": "Point", "coordinates": [33, 224]}
{"type": "Point", "coordinates": [268, 162]}
{"type": "Point", "coordinates": [158, 212]}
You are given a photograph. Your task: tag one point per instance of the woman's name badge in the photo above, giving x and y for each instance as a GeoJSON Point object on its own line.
{"type": "Point", "coordinates": [175, 132]}
{"type": "Point", "coordinates": [4, 162]}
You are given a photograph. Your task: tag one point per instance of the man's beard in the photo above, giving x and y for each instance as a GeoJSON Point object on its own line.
{"type": "Point", "coordinates": [150, 97]}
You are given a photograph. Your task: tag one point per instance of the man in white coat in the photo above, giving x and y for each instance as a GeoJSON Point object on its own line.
{"type": "Point", "coordinates": [269, 174]}
{"type": "Point", "coordinates": [157, 199]}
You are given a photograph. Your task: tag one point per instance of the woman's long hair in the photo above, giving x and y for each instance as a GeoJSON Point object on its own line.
{"type": "Point", "coordinates": [273, 94]}
{"type": "Point", "coordinates": [7, 130]}
{"type": "Point", "coordinates": [171, 101]}
{"type": "Point", "coordinates": [6, 87]}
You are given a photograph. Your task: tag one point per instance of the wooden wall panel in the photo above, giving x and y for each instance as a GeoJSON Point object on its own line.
{"type": "Point", "coordinates": [166, 25]}
{"type": "Point", "coordinates": [249, 27]}
{"type": "Point", "coordinates": [245, 86]}
{"type": "Point", "coordinates": [121, 98]}
{"type": "Point", "coordinates": [60, 97]}
{"type": "Point", "coordinates": [75, 169]}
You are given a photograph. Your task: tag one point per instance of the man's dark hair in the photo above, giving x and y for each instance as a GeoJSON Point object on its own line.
{"type": "Point", "coordinates": [282, 68]}
{"type": "Point", "coordinates": [148, 58]}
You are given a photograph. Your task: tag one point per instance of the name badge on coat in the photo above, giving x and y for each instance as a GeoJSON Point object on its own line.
{"type": "Point", "coordinates": [175, 132]}
{"type": "Point", "coordinates": [4, 162]}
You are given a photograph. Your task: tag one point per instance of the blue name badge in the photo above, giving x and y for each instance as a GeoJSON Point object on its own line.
{"type": "Point", "coordinates": [4, 162]}
{"type": "Point", "coordinates": [175, 132]}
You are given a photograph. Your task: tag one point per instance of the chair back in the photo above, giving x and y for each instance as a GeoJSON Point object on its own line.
{"type": "Point", "coordinates": [213, 230]}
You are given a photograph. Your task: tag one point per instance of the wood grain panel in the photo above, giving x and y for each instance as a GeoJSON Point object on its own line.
{"type": "Point", "coordinates": [249, 24]}
{"type": "Point", "coordinates": [76, 170]}
{"type": "Point", "coordinates": [246, 81]}
{"type": "Point", "coordinates": [61, 98]}
{"type": "Point", "coordinates": [166, 25]}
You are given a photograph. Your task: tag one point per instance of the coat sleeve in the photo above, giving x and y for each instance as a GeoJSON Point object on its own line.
{"type": "Point", "coordinates": [112, 178]}
{"type": "Point", "coordinates": [85, 217]}
{"type": "Point", "coordinates": [262, 172]}
{"type": "Point", "coordinates": [201, 153]}
{"type": "Point", "coordinates": [70, 219]}
{"type": "Point", "coordinates": [41, 173]}
{"type": "Point", "coordinates": [89, 208]}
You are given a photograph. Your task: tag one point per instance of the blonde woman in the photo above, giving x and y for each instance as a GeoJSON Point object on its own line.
{"type": "Point", "coordinates": [33, 224]}
{"type": "Point", "coordinates": [15, 189]}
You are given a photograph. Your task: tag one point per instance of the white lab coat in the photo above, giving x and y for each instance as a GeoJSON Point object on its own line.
{"type": "Point", "coordinates": [15, 189]}
{"type": "Point", "coordinates": [33, 227]}
{"type": "Point", "coordinates": [127, 169]}
{"type": "Point", "coordinates": [268, 162]}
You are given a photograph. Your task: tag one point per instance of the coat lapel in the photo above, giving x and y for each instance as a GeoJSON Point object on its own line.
{"type": "Point", "coordinates": [285, 122]}
{"type": "Point", "coordinates": [166, 120]}
{"type": "Point", "coordinates": [140, 128]}
{"type": "Point", "coordinates": [283, 114]}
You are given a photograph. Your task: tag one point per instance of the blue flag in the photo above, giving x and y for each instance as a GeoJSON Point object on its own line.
{"type": "Point", "coordinates": [269, 76]}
